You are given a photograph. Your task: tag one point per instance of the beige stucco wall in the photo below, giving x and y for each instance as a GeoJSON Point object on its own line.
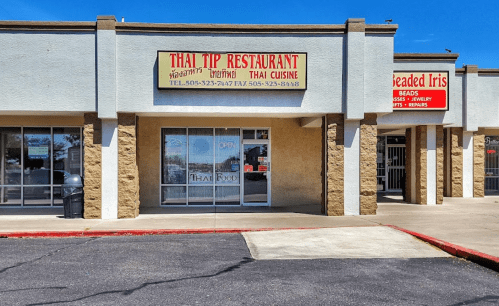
{"type": "Point", "coordinates": [34, 121]}
{"type": "Point", "coordinates": [295, 152]}
{"type": "Point", "coordinates": [489, 132]}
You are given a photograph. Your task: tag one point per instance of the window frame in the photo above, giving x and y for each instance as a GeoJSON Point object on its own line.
{"type": "Point", "coordinates": [22, 185]}
{"type": "Point", "coordinates": [213, 184]}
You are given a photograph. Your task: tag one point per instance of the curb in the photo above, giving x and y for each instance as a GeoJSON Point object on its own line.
{"type": "Point", "coordinates": [482, 259]}
{"type": "Point", "coordinates": [115, 233]}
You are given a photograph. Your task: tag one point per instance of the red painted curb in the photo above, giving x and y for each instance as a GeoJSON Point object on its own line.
{"type": "Point", "coordinates": [456, 250]}
{"type": "Point", "coordinates": [105, 233]}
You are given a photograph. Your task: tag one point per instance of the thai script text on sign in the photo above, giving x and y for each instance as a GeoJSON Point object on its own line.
{"type": "Point", "coordinates": [205, 70]}
{"type": "Point", "coordinates": [420, 90]}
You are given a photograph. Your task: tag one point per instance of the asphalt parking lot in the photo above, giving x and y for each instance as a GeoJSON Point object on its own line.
{"type": "Point", "coordinates": [218, 269]}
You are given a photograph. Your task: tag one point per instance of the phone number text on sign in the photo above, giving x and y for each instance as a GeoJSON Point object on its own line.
{"type": "Point", "coordinates": [204, 70]}
{"type": "Point", "coordinates": [244, 84]}
{"type": "Point", "coordinates": [420, 90]}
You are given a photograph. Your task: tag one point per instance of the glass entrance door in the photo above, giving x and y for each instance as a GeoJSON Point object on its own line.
{"type": "Point", "coordinates": [256, 174]}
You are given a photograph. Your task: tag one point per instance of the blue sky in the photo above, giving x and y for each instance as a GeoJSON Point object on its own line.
{"type": "Point", "coordinates": [465, 27]}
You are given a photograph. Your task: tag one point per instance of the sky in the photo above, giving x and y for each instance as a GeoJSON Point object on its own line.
{"type": "Point", "coordinates": [465, 27]}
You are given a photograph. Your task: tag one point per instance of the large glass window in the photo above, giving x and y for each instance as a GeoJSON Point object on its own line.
{"type": "Point", "coordinates": [174, 156]}
{"type": "Point", "coordinates": [200, 156]}
{"type": "Point", "coordinates": [11, 142]}
{"type": "Point", "coordinates": [200, 166]}
{"type": "Point", "coordinates": [35, 162]}
{"type": "Point", "coordinates": [66, 158]}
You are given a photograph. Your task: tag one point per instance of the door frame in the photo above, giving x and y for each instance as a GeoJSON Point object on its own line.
{"type": "Point", "coordinates": [269, 166]}
{"type": "Point", "coordinates": [387, 172]}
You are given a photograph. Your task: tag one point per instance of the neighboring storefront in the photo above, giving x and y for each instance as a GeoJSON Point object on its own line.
{"type": "Point", "coordinates": [36, 160]}
{"type": "Point", "coordinates": [189, 116]}
{"type": "Point", "coordinates": [491, 165]}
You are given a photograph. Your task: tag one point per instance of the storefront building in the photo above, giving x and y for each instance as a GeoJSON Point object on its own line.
{"type": "Point", "coordinates": [164, 115]}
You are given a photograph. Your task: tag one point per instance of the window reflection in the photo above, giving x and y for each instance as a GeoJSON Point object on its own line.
{"type": "Point", "coordinates": [201, 195]}
{"type": "Point", "coordinates": [11, 196]}
{"type": "Point", "coordinates": [213, 159]}
{"type": "Point", "coordinates": [248, 134]}
{"type": "Point", "coordinates": [227, 195]}
{"type": "Point", "coordinates": [227, 154]}
{"type": "Point", "coordinates": [173, 195]}
{"type": "Point", "coordinates": [39, 196]}
{"type": "Point", "coordinates": [262, 134]}
{"type": "Point", "coordinates": [174, 156]}
{"type": "Point", "coordinates": [200, 156]}
{"type": "Point", "coordinates": [255, 173]}
{"type": "Point", "coordinates": [11, 141]}
{"type": "Point", "coordinates": [37, 147]}
{"type": "Point", "coordinates": [44, 156]}
{"type": "Point", "coordinates": [66, 159]}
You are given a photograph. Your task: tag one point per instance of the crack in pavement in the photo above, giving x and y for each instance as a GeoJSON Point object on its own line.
{"type": "Point", "coordinates": [231, 268]}
{"type": "Point", "coordinates": [488, 298]}
{"type": "Point", "coordinates": [40, 288]}
{"type": "Point", "coordinates": [19, 264]}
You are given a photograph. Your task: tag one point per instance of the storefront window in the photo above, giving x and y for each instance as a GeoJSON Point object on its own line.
{"type": "Point", "coordinates": [200, 156]}
{"type": "Point", "coordinates": [34, 178]}
{"type": "Point", "coordinates": [37, 150]}
{"type": "Point", "coordinates": [227, 144]}
{"type": "Point", "coordinates": [212, 156]}
{"type": "Point", "coordinates": [174, 156]}
{"type": "Point", "coordinates": [491, 165]}
{"type": "Point", "coordinates": [11, 141]}
{"type": "Point", "coordinates": [66, 158]}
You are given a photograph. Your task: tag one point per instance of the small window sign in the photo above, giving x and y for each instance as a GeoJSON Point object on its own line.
{"type": "Point", "coordinates": [38, 152]}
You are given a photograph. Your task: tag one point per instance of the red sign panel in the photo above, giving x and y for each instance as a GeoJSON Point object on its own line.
{"type": "Point", "coordinates": [262, 168]}
{"type": "Point", "coordinates": [248, 168]}
{"type": "Point", "coordinates": [420, 90]}
{"type": "Point", "coordinates": [491, 151]}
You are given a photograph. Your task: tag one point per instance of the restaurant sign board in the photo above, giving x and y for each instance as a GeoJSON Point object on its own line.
{"type": "Point", "coordinates": [421, 90]}
{"type": "Point", "coordinates": [234, 71]}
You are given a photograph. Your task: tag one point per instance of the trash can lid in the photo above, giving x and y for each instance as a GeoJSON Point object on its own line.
{"type": "Point", "coordinates": [74, 180]}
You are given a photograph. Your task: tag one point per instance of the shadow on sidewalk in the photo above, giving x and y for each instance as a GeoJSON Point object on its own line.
{"type": "Point", "coordinates": [391, 198]}
{"type": "Point", "coordinates": [299, 209]}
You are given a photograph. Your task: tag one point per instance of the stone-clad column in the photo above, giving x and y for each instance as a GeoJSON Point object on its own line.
{"type": "Point", "coordinates": [128, 174]}
{"type": "Point", "coordinates": [335, 165]}
{"type": "Point", "coordinates": [479, 164]}
{"type": "Point", "coordinates": [368, 166]}
{"type": "Point", "coordinates": [408, 166]}
{"type": "Point", "coordinates": [421, 167]}
{"type": "Point", "coordinates": [92, 135]}
{"type": "Point", "coordinates": [446, 162]}
{"type": "Point", "coordinates": [456, 162]}
{"type": "Point", "coordinates": [440, 164]}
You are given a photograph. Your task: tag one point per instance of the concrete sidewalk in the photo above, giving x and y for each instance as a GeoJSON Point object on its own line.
{"type": "Point", "coordinates": [469, 223]}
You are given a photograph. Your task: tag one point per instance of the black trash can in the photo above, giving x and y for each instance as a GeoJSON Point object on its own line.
{"type": "Point", "coordinates": [72, 195]}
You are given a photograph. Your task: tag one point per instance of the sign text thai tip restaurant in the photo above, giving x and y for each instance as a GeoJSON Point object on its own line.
{"type": "Point", "coordinates": [208, 70]}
